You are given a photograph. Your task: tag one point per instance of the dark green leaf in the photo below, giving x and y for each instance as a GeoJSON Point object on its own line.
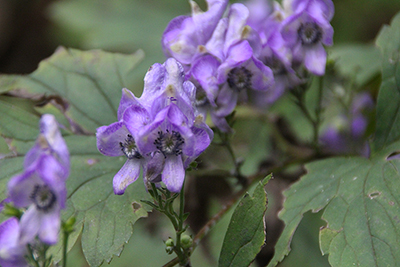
{"type": "Point", "coordinates": [123, 25]}
{"type": "Point", "coordinates": [361, 198]}
{"type": "Point", "coordinates": [89, 83]}
{"type": "Point", "coordinates": [388, 106]}
{"type": "Point", "coordinates": [246, 231]}
{"type": "Point", "coordinates": [357, 60]}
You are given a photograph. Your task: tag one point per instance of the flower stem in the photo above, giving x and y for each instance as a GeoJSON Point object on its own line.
{"type": "Point", "coordinates": [65, 245]}
{"type": "Point", "coordinates": [31, 257]}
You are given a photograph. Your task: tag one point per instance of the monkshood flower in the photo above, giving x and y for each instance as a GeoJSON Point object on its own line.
{"type": "Point", "coordinates": [346, 133]}
{"type": "Point", "coordinates": [41, 187]}
{"type": "Point", "coordinates": [229, 66]}
{"type": "Point", "coordinates": [307, 29]}
{"type": "Point", "coordinates": [184, 34]}
{"type": "Point", "coordinates": [12, 251]}
{"type": "Point", "coordinates": [266, 19]}
{"type": "Point", "coordinates": [160, 132]}
{"type": "Point", "coordinates": [177, 131]}
{"type": "Point", "coordinates": [116, 140]}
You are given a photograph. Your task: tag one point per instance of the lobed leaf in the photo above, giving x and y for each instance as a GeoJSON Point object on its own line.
{"type": "Point", "coordinates": [246, 231]}
{"type": "Point", "coordinates": [359, 60]}
{"type": "Point", "coordinates": [361, 198]}
{"type": "Point", "coordinates": [89, 84]}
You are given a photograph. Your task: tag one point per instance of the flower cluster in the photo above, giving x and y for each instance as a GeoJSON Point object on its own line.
{"type": "Point", "coordinates": [161, 132]}
{"type": "Point", "coordinates": [259, 45]}
{"type": "Point", "coordinates": [41, 190]}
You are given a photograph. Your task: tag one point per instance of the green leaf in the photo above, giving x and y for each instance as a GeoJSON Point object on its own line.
{"type": "Point", "coordinates": [359, 60]}
{"type": "Point", "coordinates": [361, 198]}
{"type": "Point", "coordinates": [246, 231]}
{"type": "Point", "coordinates": [388, 105]}
{"type": "Point", "coordinates": [89, 84]}
{"type": "Point", "coordinates": [120, 25]}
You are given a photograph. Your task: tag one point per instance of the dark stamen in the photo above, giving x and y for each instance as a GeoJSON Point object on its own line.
{"type": "Point", "coordinates": [239, 79]}
{"type": "Point", "coordinates": [277, 66]}
{"type": "Point", "coordinates": [309, 33]}
{"type": "Point", "coordinates": [43, 197]}
{"type": "Point", "coordinates": [169, 143]}
{"type": "Point", "coordinates": [129, 148]}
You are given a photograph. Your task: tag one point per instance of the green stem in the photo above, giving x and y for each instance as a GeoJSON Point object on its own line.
{"type": "Point", "coordinates": [300, 101]}
{"type": "Point", "coordinates": [227, 144]}
{"type": "Point", "coordinates": [65, 245]}
{"type": "Point", "coordinates": [32, 257]}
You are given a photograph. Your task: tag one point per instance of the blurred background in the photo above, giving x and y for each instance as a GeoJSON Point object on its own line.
{"type": "Point", "coordinates": [31, 30]}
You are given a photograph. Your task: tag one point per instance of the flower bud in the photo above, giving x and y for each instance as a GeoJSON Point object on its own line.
{"type": "Point", "coordinates": [186, 241]}
{"type": "Point", "coordinates": [169, 245]}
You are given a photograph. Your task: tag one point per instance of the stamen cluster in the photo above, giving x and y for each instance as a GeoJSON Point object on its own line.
{"type": "Point", "coordinates": [169, 143]}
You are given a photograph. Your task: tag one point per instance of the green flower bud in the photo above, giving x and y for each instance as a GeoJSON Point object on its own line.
{"type": "Point", "coordinates": [169, 245]}
{"type": "Point", "coordinates": [186, 241]}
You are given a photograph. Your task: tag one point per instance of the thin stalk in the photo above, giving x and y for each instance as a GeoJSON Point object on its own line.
{"type": "Point", "coordinates": [227, 144]}
{"type": "Point", "coordinates": [65, 245]}
{"type": "Point", "coordinates": [318, 110]}
{"type": "Point", "coordinates": [32, 257]}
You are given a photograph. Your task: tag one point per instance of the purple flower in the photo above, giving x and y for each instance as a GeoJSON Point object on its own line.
{"type": "Point", "coordinates": [184, 34]}
{"type": "Point", "coordinates": [178, 131]}
{"type": "Point", "coordinates": [116, 140]}
{"type": "Point", "coordinates": [12, 251]}
{"type": "Point", "coordinates": [160, 132]}
{"type": "Point", "coordinates": [41, 187]}
{"type": "Point", "coordinates": [49, 142]}
{"type": "Point", "coordinates": [307, 30]}
{"type": "Point", "coordinates": [229, 66]}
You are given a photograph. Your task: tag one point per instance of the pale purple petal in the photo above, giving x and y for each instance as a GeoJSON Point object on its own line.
{"type": "Point", "coordinates": [127, 99]}
{"type": "Point", "coordinates": [215, 45]}
{"type": "Point", "coordinates": [126, 175]}
{"type": "Point", "coordinates": [238, 14]}
{"type": "Point", "coordinates": [180, 40]}
{"type": "Point", "coordinates": [20, 186]}
{"type": "Point", "coordinates": [49, 228]}
{"type": "Point", "coordinates": [226, 101]}
{"type": "Point", "coordinates": [206, 21]}
{"type": "Point", "coordinates": [263, 78]}
{"type": "Point", "coordinates": [315, 59]}
{"type": "Point", "coordinates": [153, 167]}
{"type": "Point", "coordinates": [135, 118]}
{"type": "Point", "coordinates": [238, 54]}
{"type": "Point", "coordinates": [30, 224]}
{"type": "Point", "coordinates": [109, 138]}
{"type": "Point", "coordinates": [204, 70]}
{"type": "Point", "coordinates": [173, 174]}
{"type": "Point", "coordinates": [11, 250]}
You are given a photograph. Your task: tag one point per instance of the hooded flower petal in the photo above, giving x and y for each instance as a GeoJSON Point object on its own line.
{"type": "Point", "coordinates": [127, 99]}
{"type": "Point", "coordinates": [184, 34]}
{"type": "Point", "coordinates": [109, 138]}
{"type": "Point", "coordinates": [126, 175]}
